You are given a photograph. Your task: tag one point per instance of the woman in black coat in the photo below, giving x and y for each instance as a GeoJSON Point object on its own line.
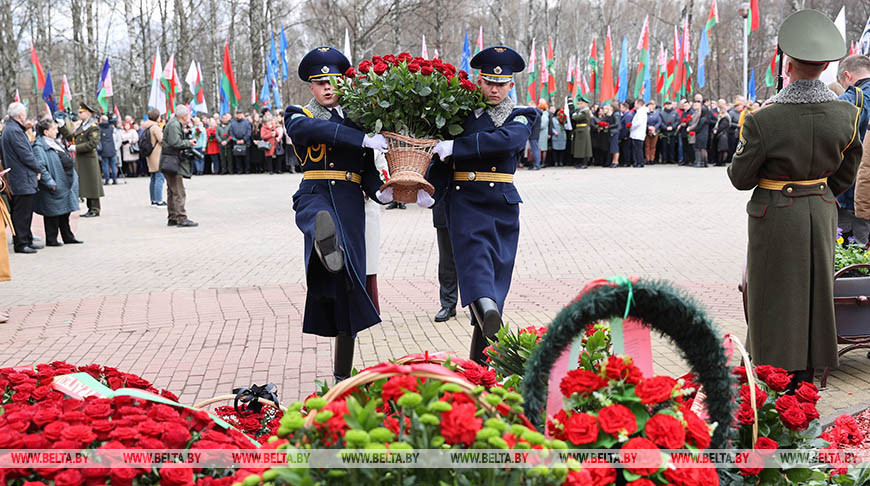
{"type": "Point", "coordinates": [699, 132]}
{"type": "Point", "coordinates": [720, 135]}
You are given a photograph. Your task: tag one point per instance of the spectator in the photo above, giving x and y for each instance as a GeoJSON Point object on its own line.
{"type": "Point", "coordinates": [653, 128]}
{"type": "Point", "coordinates": [172, 155]}
{"type": "Point", "coordinates": [255, 152]}
{"type": "Point", "coordinates": [151, 128]}
{"type": "Point", "coordinates": [268, 134]}
{"type": "Point", "coordinates": [534, 149]}
{"type": "Point", "coordinates": [853, 73]}
{"type": "Point", "coordinates": [278, 126]}
{"type": "Point", "coordinates": [240, 136]}
{"type": "Point", "coordinates": [212, 148]}
{"type": "Point", "coordinates": [721, 132]}
{"type": "Point", "coordinates": [545, 134]}
{"type": "Point", "coordinates": [638, 132]}
{"type": "Point", "coordinates": [686, 153]}
{"type": "Point", "coordinates": [5, 221]}
{"type": "Point", "coordinates": [222, 133]}
{"type": "Point", "coordinates": [129, 148]}
{"type": "Point", "coordinates": [625, 123]}
{"type": "Point", "coordinates": [199, 136]}
{"type": "Point", "coordinates": [23, 176]}
{"type": "Point", "coordinates": [670, 122]}
{"type": "Point", "coordinates": [59, 184]}
{"type": "Point", "coordinates": [699, 131]}
{"type": "Point", "coordinates": [108, 155]}
{"type": "Point", "coordinates": [117, 128]}
{"type": "Point", "coordinates": [736, 114]}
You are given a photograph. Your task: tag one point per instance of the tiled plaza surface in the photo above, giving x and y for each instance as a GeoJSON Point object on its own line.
{"type": "Point", "coordinates": [199, 311]}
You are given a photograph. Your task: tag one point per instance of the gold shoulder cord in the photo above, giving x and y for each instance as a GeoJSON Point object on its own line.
{"type": "Point", "coordinates": [319, 150]}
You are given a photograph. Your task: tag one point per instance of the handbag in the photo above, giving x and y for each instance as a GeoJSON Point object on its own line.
{"type": "Point", "coordinates": [240, 149]}
{"type": "Point", "coordinates": [263, 145]}
{"type": "Point", "coordinates": [134, 147]}
{"type": "Point", "coordinates": [169, 164]}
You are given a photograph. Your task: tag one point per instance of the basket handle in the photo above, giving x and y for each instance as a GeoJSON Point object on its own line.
{"type": "Point", "coordinates": [388, 370]}
{"type": "Point", "coordinates": [846, 270]}
{"type": "Point", "coordinates": [220, 398]}
{"type": "Point", "coordinates": [750, 378]}
{"type": "Point", "coordinates": [658, 306]}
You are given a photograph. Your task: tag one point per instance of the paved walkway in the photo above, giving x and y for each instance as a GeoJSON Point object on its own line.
{"type": "Point", "coordinates": [199, 311]}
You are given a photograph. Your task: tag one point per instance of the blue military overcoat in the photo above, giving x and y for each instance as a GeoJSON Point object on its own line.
{"type": "Point", "coordinates": [483, 217]}
{"type": "Point", "coordinates": [336, 304]}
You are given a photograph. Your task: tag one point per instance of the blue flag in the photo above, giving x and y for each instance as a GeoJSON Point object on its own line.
{"type": "Point", "coordinates": [265, 92]}
{"type": "Point", "coordinates": [273, 86]}
{"type": "Point", "coordinates": [622, 95]}
{"type": "Point", "coordinates": [273, 55]}
{"type": "Point", "coordinates": [284, 46]}
{"type": "Point", "coordinates": [465, 65]}
{"type": "Point", "coordinates": [103, 74]}
{"type": "Point", "coordinates": [703, 52]}
{"type": "Point", "coordinates": [751, 88]}
{"type": "Point", "coordinates": [225, 105]}
{"type": "Point", "coordinates": [48, 93]}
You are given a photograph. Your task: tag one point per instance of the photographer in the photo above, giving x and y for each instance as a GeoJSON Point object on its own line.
{"type": "Point", "coordinates": [175, 164]}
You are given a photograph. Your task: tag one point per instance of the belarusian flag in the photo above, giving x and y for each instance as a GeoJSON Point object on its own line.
{"type": "Point", "coordinates": [593, 67]}
{"type": "Point", "coordinates": [663, 69]}
{"type": "Point", "coordinates": [117, 113]}
{"type": "Point", "coordinates": [170, 84]}
{"type": "Point", "coordinates": [38, 73]}
{"type": "Point", "coordinates": [687, 67]}
{"type": "Point", "coordinates": [770, 72]}
{"type": "Point", "coordinates": [607, 93]}
{"type": "Point", "coordinates": [65, 98]}
{"type": "Point", "coordinates": [585, 86]}
{"type": "Point", "coordinates": [104, 89]}
{"type": "Point", "coordinates": [533, 76]}
{"type": "Point", "coordinates": [156, 97]}
{"type": "Point", "coordinates": [754, 18]}
{"type": "Point", "coordinates": [545, 73]}
{"type": "Point", "coordinates": [479, 46]}
{"type": "Point", "coordinates": [17, 96]}
{"type": "Point", "coordinates": [194, 83]}
{"type": "Point", "coordinates": [572, 84]}
{"type": "Point", "coordinates": [643, 65]}
{"type": "Point", "coordinates": [229, 88]}
{"type": "Point", "coordinates": [551, 69]}
{"type": "Point", "coordinates": [578, 74]}
{"type": "Point", "coordinates": [670, 82]}
{"type": "Point", "coordinates": [254, 103]}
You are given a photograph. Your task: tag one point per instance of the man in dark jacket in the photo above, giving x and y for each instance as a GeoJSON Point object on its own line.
{"type": "Point", "coordinates": [734, 112]}
{"type": "Point", "coordinates": [174, 143]}
{"type": "Point", "coordinates": [108, 155]}
{"type": "Point", "coordinates": [625, 152]}
{"type": "Point", "coordinates": [670, 122]}
{"type": "Point", "coordinates": [240, 135]}
{"type": "Point", "coordinates": [533, 141]}
{"type": "Point", "coordinates": [853, 73]}
{"type": "Point", "coordinates": [23, 169]}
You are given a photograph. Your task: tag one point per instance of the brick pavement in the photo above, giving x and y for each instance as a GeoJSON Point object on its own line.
{"type": "Point", "coordinates": [201, 310]}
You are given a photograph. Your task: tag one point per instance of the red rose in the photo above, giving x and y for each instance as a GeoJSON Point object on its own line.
{"type": "Point", "coordinates": [413, 67]}
{"type": "Point", "coordinates": [740, 373]}
{"type": "Point", "coordinates": [807, 392]}
{"type": "Point", "coordinates": [124, 433]}
{"type": "Point", "coordinates": [123, 476]}
{"type": "Point", "coordinates": [581, 428]}
{"type": "Point", "coordinates": [404, 56]}
{"type": "Point", "coordinates": [34, 441]}
{"type": "Point", "coordinates": [176, 476]}
{"type": "Point", "coordinates": [617, 418]}
{"type": "Point", "coordinates": [750, 463]}
{"type": "Point", "coordinates": [459, 425]}
{"type": "Point", "coordinates": [578, 478]}
{"type": "Point", "coordinates": [810, 411]}
{"type": "Point", "coordinates": [98, 410]}
{"type": "Point", "coordinates": [79, 433]}
{"type": "Point", "coordinates": [581, 381]}
{"type": "Point", "coordinates": [794, 418]}
{"type": "Point", "coordinates": [377, 59]}
{"type": "Point", "coordinates": [426, 70]}
{"type": "Point", "coordinates": [778, 381]}
{"type": "Point", "coordinates": [763, 371]}
{"type": "Point", "coordinates": [20, 397]}
{"type": "Point", "coordinates": [150, 428]}
{"type": "Point", "coordinates": [846, 431]}
{"type": "Point", "coordinates": [599, 475]}
{"type": "Point", "coordinates": [467, 84]}
{"type": "Point", "coordinates": [10, 439]}
{"type": "Point", "coordinates": [69, 477]}
{"type": "Point", "coordinates": [745, 415]}
{"type": "Point", "coordinates": [175, 435]}
{"type": "Point", "coordinates": [691, 475]}
{"type": "Point", "coordinates": [641, 482]}
{"type": "Point", "coordinates": [34, 483]}
{"type": "Point", "coordinates": [628, 125]}
{"type": "Point", "coordinates": [760, 395]}
{"type": "Point", "coordinates": [691, 134]}
{"type": "Point", "coordinates": [162, 412]}
{"type": "Point", "coordinates": [53, 430]}
{"type": "Point", "coordinates": [655, 390]}
{"type": "Point", "coordinates": [41, 393]}
{"type": "Point", "coordinates": [390, 58]}
{"type": "Point", "coordinates": [350, 73]}
{"type": "Point", "coordinates": [697, 430]}
{"type": "Point", "coordinates": [665, 431]}
{"type": "Point", "coordinates": [765, 446]}
{"type": "Point", "coordinates": [462, 74]}
{"type": "Point", "coordinates": [365, 66]}
{"type": "Point", "coordinates": [648, 458]}
{"type": "Point", "coordinates": [479, 375]}
{"type": "Point", "coordinates": [396, 386]}
{"type": "Point", "coordinates": [19, 378]}
{"type": "Point", "coordinates": [150, 443]}
{"type": "Point", "coordinates": [380, 68]}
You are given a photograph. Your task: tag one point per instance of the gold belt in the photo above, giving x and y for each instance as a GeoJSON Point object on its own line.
{"type": "Point", "coordinates": [779, 185]}
{"type": "Point", "coordinates": [582, 125]}
{"type": "Point", "coordinates": [335, 175]}
{"type": "Point", "coordinates": [483, 176]}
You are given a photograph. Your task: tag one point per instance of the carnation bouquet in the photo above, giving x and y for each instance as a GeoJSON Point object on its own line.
{"type": "Point", "coordinates": [413, 102]}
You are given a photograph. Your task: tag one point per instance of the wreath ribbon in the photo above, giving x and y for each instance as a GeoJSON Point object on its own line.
{"type": "Point", "coordinates": [250, 397]}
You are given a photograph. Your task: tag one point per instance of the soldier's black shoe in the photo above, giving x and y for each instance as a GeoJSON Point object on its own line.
{"type": "Point", "coordinates": [478, 345]}
{"type": "Point", "coordinates": [445, 314]}
{"type": "Point", "coordinates": [326, 243]}
{"type": "Point", "coordinates": [487, 315]}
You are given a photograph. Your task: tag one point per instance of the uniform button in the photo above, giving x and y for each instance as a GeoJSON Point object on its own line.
{"type": "Point", "coordinates": [332, 182]}
{"type": "Point", "coordinates": [472, 176]}
{"type": "Point", "coordinates": [493, 169]}
{"type": "Point", "coordinates": [789, 190]}
{"type": "Point", "coordinates": [822, 187]}
{"type": "Point", "coordinates": [457, 188]}
{"type": "Point", "coordinates": [492, 184]}
{"type": "Point", "coordinates": [348, 176]}
{"type": "Point", "coordinates": [332, 164]}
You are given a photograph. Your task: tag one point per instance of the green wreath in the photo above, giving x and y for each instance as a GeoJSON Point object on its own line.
{"type": "Point", "coordinates": [658, 306]}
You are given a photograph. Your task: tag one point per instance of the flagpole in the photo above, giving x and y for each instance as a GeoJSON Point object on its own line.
{"type": "Point", "coordinates": [744, 13]}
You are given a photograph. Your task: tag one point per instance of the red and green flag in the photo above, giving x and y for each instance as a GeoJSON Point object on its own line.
{"type": "Point", "coordinates": [770, 72]}
{"type": "Point", "coordinates": [38, 72]}
{"type": "Point", "coordinates": [254, 103]}
{"type": "Point", "coordinates": [228, 86]}
{"type": "Point", "coordinates": [551, 69]}
{"type": "Point", "coordinates": [533, 76]}
{"type": "Point", "coordinates": [479, 45]}
{"type": "Point", "coordinates": [643, 65]}
{"type": "Point", "coordinates": [170, 83]}
{"type": "Point", "coordinates": [571, 79]}
{"type": "Point", "coordinates": [593, 67]}
{"type": "Point", "coordinates": [607, 92]}
{"type": "Point", "coordinates": [754, 18]}
{"type": "Point", "coordinates": [545, 73]}
{"type": "Point", "coordinates": [65, 99]}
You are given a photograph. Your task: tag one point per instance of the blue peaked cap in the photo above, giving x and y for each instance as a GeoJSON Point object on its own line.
{"type": "Point", "coordinates": [498, 64]}
{"type": "Point", "coordinates": [322, 62]}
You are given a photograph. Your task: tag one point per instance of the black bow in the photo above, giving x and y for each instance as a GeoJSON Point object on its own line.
{"type": "Point", "coordinates": [250, 397]}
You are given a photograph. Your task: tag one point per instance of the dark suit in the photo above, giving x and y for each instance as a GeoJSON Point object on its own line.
{"type": "Point", "coordinates": [446, 264]}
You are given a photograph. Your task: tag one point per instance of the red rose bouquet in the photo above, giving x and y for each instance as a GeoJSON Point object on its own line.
{"type": "Point", "coordinates": [260, 425]}
{"type": "Point", "coordinates": [561, 116]}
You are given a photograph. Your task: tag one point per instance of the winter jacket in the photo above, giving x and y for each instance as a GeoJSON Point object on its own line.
{"type": "Point", "coordinates": [18, 156]}
{"type": "Point", "coordinates": [107, 140]}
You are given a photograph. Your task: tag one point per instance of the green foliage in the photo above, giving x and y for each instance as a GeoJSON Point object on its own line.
{"type": "Point", "coordinates": [852, 254]}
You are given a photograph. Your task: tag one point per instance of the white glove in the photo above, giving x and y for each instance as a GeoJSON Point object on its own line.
{"type": "Point", "coordinates": [386, 196]}
{"type": "Point", "coordinates": [60, 122]}
{"type": "Point", "coordinates": [72, 148]}
{"type": "Point", "coordinates": [424, 200]}
{"type": "Point", "coordinates": [378, 142]}
{"type": "Point", "coordinates": [444, 149]}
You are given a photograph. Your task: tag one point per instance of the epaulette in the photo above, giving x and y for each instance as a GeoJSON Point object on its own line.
{"type": "Point", "coordinates": [297, 111]}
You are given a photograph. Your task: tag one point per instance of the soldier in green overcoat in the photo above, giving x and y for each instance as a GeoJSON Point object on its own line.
{"type": "Point", "coordinates": [797, 153]}
{"type": "Point", "coordinates": [85, 140]}
{"type": "Point", "coordinates": [581, 143]}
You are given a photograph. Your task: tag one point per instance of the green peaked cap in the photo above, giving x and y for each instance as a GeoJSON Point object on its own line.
{"type": "Point", "coordinates": [810, 36]}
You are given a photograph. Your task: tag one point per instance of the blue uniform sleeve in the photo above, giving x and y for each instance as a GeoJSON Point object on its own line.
{"type": "Point", "coordinates": [306, 130]}
{"type": "Point", "coordinates": [507, 139]}
{"type": "Point", "coordinates": [439, 175]}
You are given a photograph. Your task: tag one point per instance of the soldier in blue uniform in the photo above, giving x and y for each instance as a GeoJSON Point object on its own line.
{"type": "Point", "coordinates": [481, 200]}
{"type": "Point", "coordinates": [338, 170]}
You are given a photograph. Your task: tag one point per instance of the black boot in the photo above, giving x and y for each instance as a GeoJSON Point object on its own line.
{"type": "Point", "coordinates": [478, 344]}
{"type": "Point", "coordinates": [798, 377]}
{"type": "Point", "coordinates": [488, 320]}
{"type": "Point", "coordinates": [326, 243]}
{"type": "Point", "coordinates": [342, 363]}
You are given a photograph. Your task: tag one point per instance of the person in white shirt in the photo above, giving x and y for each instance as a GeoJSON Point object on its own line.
{"type": "Point", "coordinates": [637, 133]}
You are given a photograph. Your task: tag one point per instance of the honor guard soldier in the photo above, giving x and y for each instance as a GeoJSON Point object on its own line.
{"type": "Point", "coordinates": [338, 166]}
{"type": "Point", "coordinates": [85, 140]}
{"type": "Point", "coordinates": [797, 153]}
{"type": "Point", "coordinates": [482, 202]}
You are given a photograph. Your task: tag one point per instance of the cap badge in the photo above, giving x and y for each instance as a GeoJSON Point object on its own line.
{"type": "Point", "coordinates": [323, 49]}
{"type": "Point", "coordinates": [499, 49]}
{"type": "Point", "coordinates": [324, 69]}
{"type": "Point", "coordinates": [497, 70]}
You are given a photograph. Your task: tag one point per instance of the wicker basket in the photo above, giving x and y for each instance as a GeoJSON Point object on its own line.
{"type": "Point", "coordinates": [388, 370]}
{"type": "Point", "coordinates": [221, 398]}
{"type": "Point", "coordinates": [408, 159]}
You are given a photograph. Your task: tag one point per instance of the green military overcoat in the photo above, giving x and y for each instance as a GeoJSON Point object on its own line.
{"type": "Point", "coordinates": [86, 139]}
{"type": "Point", "coordinates": [581, 142]}
{"type": "Point", "coordinates": [805, 133]}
